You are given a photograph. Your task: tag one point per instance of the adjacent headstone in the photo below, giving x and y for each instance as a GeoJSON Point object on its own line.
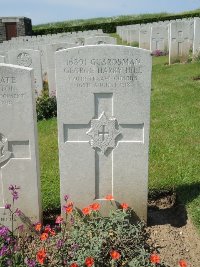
{"type": "Point", "coordinates": [95, 40]}
{"type": "Point", "coordinates": [159, 38]}
{"type": "Point", "coordinates": [18, 142]}
{"type": "Point", "coordinates": [103, 98]}
{"type": "Point", "coordinates": [50, 54]}
{"type": "Point", "coordinates": [179, 41]}
{"type": "Point", "coordinates": [144, 37]}
{"type": "Point", "coordinates": [32, 59]}
{"type": "Point", "coordinates": [196, 43]}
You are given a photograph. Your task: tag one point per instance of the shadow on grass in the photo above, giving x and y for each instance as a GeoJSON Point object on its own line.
{"type": "Point", "coordinates": [169, 207]}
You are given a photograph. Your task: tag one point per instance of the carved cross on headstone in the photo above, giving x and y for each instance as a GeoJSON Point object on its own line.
{"type": "Point", "coordinates": [7, 152]}
{"type": "Point", "coordinates": [105, 133]}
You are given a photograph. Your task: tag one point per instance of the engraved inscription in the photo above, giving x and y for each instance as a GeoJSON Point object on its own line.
{"type": "Point", "coordinates": [9, 92]}
{"type": "Point", "coordinates": [24, 59]}
{"type": "Point", "coordinates": [103, 132]}
{"type": "Point", "coordinates": [105, 72]}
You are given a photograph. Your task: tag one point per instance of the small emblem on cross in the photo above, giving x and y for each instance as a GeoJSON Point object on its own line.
{"type": "Point", "coordinates": [103, 132]}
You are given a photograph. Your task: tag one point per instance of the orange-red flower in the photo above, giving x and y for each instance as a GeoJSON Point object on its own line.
{"type": "Point", "coordinates": [86, 210]}
{"type": "Point", "coordinates": [95, 206]}
{"type": "Point", "coordinates": [89, 261]}
{"type": "Point", "coordinates": [155, 258]}
{"type": "Point", "coordinates": [59, 220]}
{"type": "Point", "coordinates": [183, 263]}
{"type": "Point", "coordinates": [43, 236]}
{"type": "Point", "coordinates": [124, 206]}
{"type": "Point", "coordinates": [73, 265]}
{"type": "Point", "coordinates": [115, 255]}
{"type": "Point", "coordinates": [109, 197]}
{"type": "Point", "coordinates": [41, 255]}
{"type": "Point", "coordinates": [69, 207]}
{"type": "Point", "coordinates": [38, 226]}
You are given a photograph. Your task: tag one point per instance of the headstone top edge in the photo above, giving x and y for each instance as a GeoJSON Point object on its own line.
{"type": "Point", "coordinates": [15, 66]}
{"type": "Point", "coordinates": [104, 46]}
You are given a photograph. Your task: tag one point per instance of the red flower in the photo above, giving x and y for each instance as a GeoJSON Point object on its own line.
{"type": "Point", "coordinates": [38, 226]}
{"type": "Point", "coordinates": [47, 229]}
{"type": "Point", "coordinates": [183, 263]}
{"type": "Point", "coordinates": [59, 220]}
{"type": "Point", "coordinates": [95, 206]}
{"type": "Point", "coordinates": [89, 261]}
{"type": "Point", "coordinates": [154, 258]}
{"type": "Point", "coordinates": [73, 265]}
{"type": "Point", "coordinates": [124, 206]}
{"type": "Point", "coordinates": [44, 236]}
{"type": "Point", "coordinates": [41, 255]}
{"type": "Point", "coordinates": [115, 255]}
{"type": "Point", "coordinates": [109, 197]}
{"type": "Point", "coordinates": [86, 211]}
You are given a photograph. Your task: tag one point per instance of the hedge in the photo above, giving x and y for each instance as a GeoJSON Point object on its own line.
{"type": "Point", "coordinates": [109, 27]}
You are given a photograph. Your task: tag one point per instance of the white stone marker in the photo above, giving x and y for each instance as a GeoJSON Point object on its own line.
{"type": "Point", "coordinates": [50, 54]}
{"type": "Point", "coordinates": [159, 38]}
{"type": "Point", "coordinates": [103, 96]}
{"type": "Point", "coordinates": [196, 43]}
{"type": "Point", "coordinates": [18, 142]}
{"type": "Point", "coordinates": [32, 59]}
{"type": "Point", "coordinates": [179, 40]}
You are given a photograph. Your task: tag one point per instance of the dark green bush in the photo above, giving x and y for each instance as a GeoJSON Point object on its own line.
{"type": "Point", "coordinates": [109, 26]}
{"type": "Point", "coordinates": [46, 106]}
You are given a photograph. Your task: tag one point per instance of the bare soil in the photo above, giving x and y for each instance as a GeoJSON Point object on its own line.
{"type": "Point", "coordinates": [172, 233]}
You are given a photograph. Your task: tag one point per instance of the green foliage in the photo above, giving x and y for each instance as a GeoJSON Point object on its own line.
{"type": "Point", "coordinates": [196, 57]}
{"type": "Point", "coordinates": [46, 106]}
{"type": "Point", "coordinates": [108, 25]}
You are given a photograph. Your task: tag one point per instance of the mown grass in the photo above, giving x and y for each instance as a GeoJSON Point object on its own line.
{"type": "Point", "coordinates": [174, 138]}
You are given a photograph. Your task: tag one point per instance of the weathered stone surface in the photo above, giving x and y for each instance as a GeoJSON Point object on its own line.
{"type": "Point", "coordinates": [2, 59]}
{"type": "Point", "coordinates": [196, 44]}
{"type": "Point", "coordinates": [103, 96]}
{"type": "Point", "coordinates": [18, 142]}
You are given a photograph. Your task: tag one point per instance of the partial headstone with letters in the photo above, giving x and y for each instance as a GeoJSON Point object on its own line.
{"type": "Point", "coordinates": [103, 98]}
{"type": "Point", "coordinates": [18, 143]}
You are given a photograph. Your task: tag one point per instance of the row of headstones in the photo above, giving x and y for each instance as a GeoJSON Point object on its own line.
{"type": "Point", "coordinates": [103, 129]}
{"type": "Point", "coordinates": [42, 57]}
{"type": "Point", "coordinates": [178, 37]}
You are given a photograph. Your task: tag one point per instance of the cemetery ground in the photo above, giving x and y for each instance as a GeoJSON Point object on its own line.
{"type": "Point", "coordinates": [174, 184]}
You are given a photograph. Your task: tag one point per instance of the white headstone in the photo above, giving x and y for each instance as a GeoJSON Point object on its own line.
{"type": "Point", "coordinates": [144, 37]}
{"type": "Point", "coordinates": [196, 44]}
{"type": "Point", "coordinates": [32, 59]}
{"type": "Point", "coordinates": [159, 38]}
{"type": "Point", "coordinates": [179, 40]}
{"type": "Point", "coordinates": [18, 142]}
{"type": "Point", "coordinates": [103, 97]}
{"type": "Point", "coordinates": [50, 54]}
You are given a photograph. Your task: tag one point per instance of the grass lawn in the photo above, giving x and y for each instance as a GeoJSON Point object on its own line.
{"type": "Point", "coordinates": [174, 138]}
